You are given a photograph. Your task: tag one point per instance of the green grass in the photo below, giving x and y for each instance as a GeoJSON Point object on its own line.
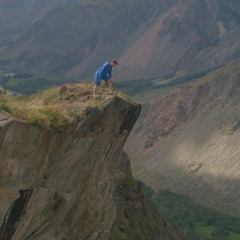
{"type": "Point", "coordinates": [56, 119]}
{"type": "Point", "coordinates": [204, 230]}
{"type": "Point", "coordinates": [197, 221]}
{"type": "Point", "coordinates": [51, 118]}
{"type": "Point", "coordinates": [5, 107]}
{"type": "Point", "coordinates": [112, 4]}
{"type": "Point", "coordinates": [52, 108]}
{"type": "Point", "coordinates": [3, 102]}
{"type": "Point", "coordinates": [39, 109]}
{"type": "Point", "coordinates": [234, 236]}
{"type": "Point", "coordinates": [134, 87]}
{"type": "Point", "coordinates": [30, 85]}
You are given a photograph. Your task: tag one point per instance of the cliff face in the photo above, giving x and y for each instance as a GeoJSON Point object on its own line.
{"type": "Point", "coordinates": [63, 185]}
{"type": "Point", "coordinates": [188, 141]}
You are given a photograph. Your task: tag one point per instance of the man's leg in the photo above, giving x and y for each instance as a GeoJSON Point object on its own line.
{"type": "Point", "coordinates": [109, 82]}
{"type": "Point", "coordinates": [95, 91]}
{"type": "Point", "coordinates": [110, 85]}
{"type": "Point", "coordinates": [97, 82]}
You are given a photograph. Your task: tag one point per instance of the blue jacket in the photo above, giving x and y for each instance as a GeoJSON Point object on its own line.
{"type": "Point", "coordinates": [105, 69]}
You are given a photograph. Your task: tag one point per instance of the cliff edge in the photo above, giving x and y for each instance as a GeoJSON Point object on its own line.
{"type": "Point", "coordinates": [63, 168]}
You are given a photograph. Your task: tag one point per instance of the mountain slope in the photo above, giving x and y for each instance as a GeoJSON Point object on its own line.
{"type": "Point", "coordinates": [15, 16]}
{"type": "Point", "coordinates": [188, 141]}
{"type": "Point", "coordinates": [150, 39]}
{"type": "Point", "coordinates": [220, 54]}
{"type": "Point", "coordinates": [51, 46]}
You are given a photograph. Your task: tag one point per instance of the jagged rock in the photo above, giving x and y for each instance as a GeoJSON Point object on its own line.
{"type": "Point", "coordinates": [63, 89]}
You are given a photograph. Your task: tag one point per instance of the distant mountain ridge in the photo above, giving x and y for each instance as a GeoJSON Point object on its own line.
{"type": "Point", "coordinates": [150, 39]}
{"type": "Point", "coordinates": [15, 16]}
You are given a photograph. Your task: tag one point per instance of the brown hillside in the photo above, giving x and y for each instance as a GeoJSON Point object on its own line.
{"type": "Point", "coordinates": [189, 141]}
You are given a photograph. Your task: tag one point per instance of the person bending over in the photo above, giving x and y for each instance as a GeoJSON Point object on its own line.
{"type": "Point", "coordinates": [104, 73]}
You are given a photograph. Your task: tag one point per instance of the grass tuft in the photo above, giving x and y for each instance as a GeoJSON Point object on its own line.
{"type": "Point", "coordinates": [5, 107]}
{"type": "Point", "coordinates": [56, 119]}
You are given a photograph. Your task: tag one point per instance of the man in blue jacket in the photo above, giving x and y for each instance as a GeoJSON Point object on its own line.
{"type": "Point", "coordinates": [104, 73]}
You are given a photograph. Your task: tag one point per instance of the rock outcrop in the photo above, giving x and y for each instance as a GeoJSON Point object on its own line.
{"type": "Point", "coordinates": [63, 184]}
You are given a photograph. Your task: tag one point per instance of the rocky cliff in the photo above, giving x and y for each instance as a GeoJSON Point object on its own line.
{"type": "Point", "coordinates": [188, 141]}
{"type": "Point", "coordinates": [64, 174]}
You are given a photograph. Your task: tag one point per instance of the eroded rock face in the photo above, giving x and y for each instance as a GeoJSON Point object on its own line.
{"type": "Point", "coordinates": [61, 185]}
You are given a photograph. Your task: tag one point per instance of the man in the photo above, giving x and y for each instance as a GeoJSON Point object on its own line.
{"type": "Point", "coordinates": [104, 73]}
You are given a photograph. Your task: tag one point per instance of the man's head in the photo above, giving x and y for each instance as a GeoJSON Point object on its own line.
{"type": "Point", "coordinates": [113, 62]}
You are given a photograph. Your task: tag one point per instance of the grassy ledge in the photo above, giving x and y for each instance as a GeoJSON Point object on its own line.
{"type": "Point", "coordinates": [55, 107]}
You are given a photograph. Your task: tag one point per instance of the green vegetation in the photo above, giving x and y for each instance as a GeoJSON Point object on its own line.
{"type": "Point", "coordinates": [3, 103]}
{"type": "Point", "coordinates": [195, 220]}
{"type": "Point", "coordinates": [36, 109]}
{"type": "Point", "coordinates": [53, 107]}
{"type": "Point", "coordinates": [111, 4]}
{"type": "Point", "coordinates": [26, 84]}
{"type": "Point", "coordinates": [5, 107]}
{"type": "Point", "coordinates": [50, 117]}
{"type": "Point", "coordinates": [133, 87]}
{"type": "Point", "coordinates": [127, 183]}
{"type": "Point", "coordinates": [137, 217]}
